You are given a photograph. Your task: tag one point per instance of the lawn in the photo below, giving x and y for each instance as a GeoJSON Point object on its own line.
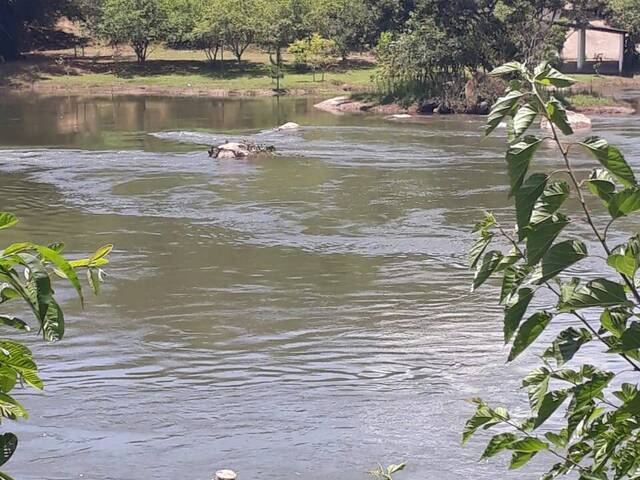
{"type": "Point", "coordinates": [102, 68]}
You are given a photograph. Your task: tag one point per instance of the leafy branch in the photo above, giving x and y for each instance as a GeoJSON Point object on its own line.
{"type": "Point", "coordinates": [600, 438]}
{"type": "Point", "coordinates": [26, 274]}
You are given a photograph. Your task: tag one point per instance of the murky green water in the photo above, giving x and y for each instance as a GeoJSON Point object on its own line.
{"type": "Point", "coordinates": [302, 316]}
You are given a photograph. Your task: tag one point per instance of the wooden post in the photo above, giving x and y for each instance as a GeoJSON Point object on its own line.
{"type": "Point", "coordinates": [582, 49]}
{"type": "Point", "coordinates": [225, 475]}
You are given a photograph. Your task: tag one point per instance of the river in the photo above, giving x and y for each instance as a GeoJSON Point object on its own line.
{"type": "Point", "coordinates": [302, 316]}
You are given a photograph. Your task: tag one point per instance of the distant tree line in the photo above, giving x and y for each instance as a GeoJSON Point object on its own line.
{"type": "Point", "coordinates": [443, 41]}
{"type": "Point", "coordinates": [424, 47]}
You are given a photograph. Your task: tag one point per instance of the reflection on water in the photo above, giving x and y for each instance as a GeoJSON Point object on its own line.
{"type": "Point", "coordinates": [306, 314]}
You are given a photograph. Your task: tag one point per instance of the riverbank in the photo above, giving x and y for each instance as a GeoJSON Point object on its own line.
{"type": "Point", "coordinates": [173, 73]}
{"type": "Point", "coordinates": [591, 105]}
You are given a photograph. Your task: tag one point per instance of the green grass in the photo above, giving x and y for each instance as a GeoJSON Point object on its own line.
{"type": "Point", "coordinates": [333, 80]}
{"type": "Point", "coordinates": [169, 70]}
{"type": "Point", "coordinates": [582, 100]}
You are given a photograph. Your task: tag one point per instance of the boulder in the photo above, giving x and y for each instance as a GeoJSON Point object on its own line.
{"type": "Point", "coordinates": [578, 121]}
{"type": "Point", "coordinates": [427, 107]}
{"type": "Point", "coordinates": [239, 150]}
{"type": "Point", "coordinates": [288, 126]}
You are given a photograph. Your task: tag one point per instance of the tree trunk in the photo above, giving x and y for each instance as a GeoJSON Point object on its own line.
{"type": "Point", "coordinates": [141, 51]}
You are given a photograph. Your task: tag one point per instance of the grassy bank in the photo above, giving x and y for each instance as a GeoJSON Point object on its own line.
{"type": "Point", "coordinates": [183, 72]}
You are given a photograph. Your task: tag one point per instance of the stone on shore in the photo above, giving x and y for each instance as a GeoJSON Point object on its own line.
{"type": "Point", "coordinates": [345, 104]}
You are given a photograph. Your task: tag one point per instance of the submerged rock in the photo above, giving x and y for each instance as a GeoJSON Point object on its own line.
{"type": "Point", "coordinates": [239, 150]}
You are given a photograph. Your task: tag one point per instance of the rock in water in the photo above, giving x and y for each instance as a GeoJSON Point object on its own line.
{"type": "Point", "coordinates": [288, 126]}
{"type": "Point", "coordinates": [225, 475]}
{"type": "Point", "coordinates": [578, 121]}
{"type": "Point", "coordinates": [239, 150]}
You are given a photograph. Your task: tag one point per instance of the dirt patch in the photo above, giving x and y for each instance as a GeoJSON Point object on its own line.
{"type": "Point", "coordinates": [607, 110]}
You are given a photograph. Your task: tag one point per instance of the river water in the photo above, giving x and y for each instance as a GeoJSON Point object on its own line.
{"type": "Point", "coordinates": [302, 316]}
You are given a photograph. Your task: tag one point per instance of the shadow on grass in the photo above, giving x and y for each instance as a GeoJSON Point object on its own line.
{"type": "Point", "coordinates": [35, 67]}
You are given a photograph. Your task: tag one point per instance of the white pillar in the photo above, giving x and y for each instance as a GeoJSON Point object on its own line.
{"type": "Point", "coordinates": [621, 60]}
{"type": "Point", "coordinates": [582, 48]}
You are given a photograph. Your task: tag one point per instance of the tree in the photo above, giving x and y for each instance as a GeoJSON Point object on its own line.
{"type": "Point", "coordinates": [18, 16]}
{"type": "Point", "coordinates": [282, 22]}
{"type": "Point", "coordinates": [348, 23]}
{"type": "Point", "coordinates": [422, 62]}
{"type": "Point", "coordinates": [315, 51]}
{"type": "Point", "coordinates": [138, 23]}
{"type": "Point", "coordinates": [626, 14]}
{"type": "Point", "coordinates": [600, 434]}
{"type": "Point", "coordinates": [241, 23]}
{"type": "Point", "coordinates": [26, 274]}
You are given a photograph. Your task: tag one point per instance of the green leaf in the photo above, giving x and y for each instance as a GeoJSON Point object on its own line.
{"type": "Point", "coordinates": [552, 77]}
{"type": "Point", "coordinates": [614, 320]}
{"type": "Point", "coordinates": [478, 248]}
{"type": "Point", "coordinates": [11, 408]}
{"type": "Point", "coordinates": [19, 358]}
{"type": "Point", "coordinates": [558, 439]}
{"type": "Point", "coordinates": [537, 382]}
{"type": "Point", "coordinates": [631, 337]}
{"type": "Point", "coordinates": [587, 391]}
{"type": "Point", "coordinates": [523, 118]}
{"type": "Point", "coordinates": [566, 344]}
{"type": "Point", "coordinates": [512, 280]}
{"type": "Point", "coordinates": [526, 197]}
{"type": "Point", "coordinates": [558, 115]}
{"type": "Point", "coordinates": [53, 323]}
{"type": "Point", "coordinates": [63, 265]}
{"type": "Point", "coordinates": [624, 261]}
{"type": "Point", "coordinates": [520, 459]}
{"type": "Point", "coordinates": [612, 159]}
{"type": "Point", "coordinates": [506, 69]}
{"type": "Point", "coordinates": [509, 259]}
{"type": "Point", "coordinates": [7, 220]}
{"type": "Point", "coordinates": [488, 221]}
{"type": "Point", "coordinates": [529, 332]}
{"type": "Point", "coordinates": [558, 258]}
{"type": "Point", "coordinates": [100, 254]}
{"type": "Point", "coordinates": [497, 444]}
{"type": "Point", "coordinates": [391, 469]}
{"type": "Point", "coordinates": [486, 268]}
{"type": "Point", "coordinates": [551, 200]}
{"type": "Point", "coordinates": [529, 444]}
{"type": "Point", "coordinates": [597, 293]}
{"type": "Point", "coordinates": [38, 286]}
{"type": "Point", "coordinates": [515, 310]}
{"type": "Point", "coordinates": [480, 418]}
{"type": "Point", "coordinates": [550, 404]}
{"type": "Point", "coordinates": [541, 236]}
{"type": "Point", "coordinates": [503, 107]}
{"type": "Point", "coordinates": [7, 293]}
{"type": "Point", "coordinates": [8, 445]}
{"type": "Point", "coordinates": [625, 202]}
{"type": "Point", "coordinates": [519, 157]}
{"type": "Point", "coordinates": [602, 184]}
{"type": "Point", "coordinates": [14, 322]}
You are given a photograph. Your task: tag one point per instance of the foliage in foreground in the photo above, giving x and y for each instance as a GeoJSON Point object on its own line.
{"type": "Point", "coordinates": [600, 433]}
{"type": "Point", "coordinates": [382, 473]}
{"type": "Point", "coordinates": [26, 274]}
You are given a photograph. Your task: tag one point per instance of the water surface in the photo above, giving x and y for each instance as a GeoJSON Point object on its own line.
{"type": "Point", "coordinates": [301, 316]}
